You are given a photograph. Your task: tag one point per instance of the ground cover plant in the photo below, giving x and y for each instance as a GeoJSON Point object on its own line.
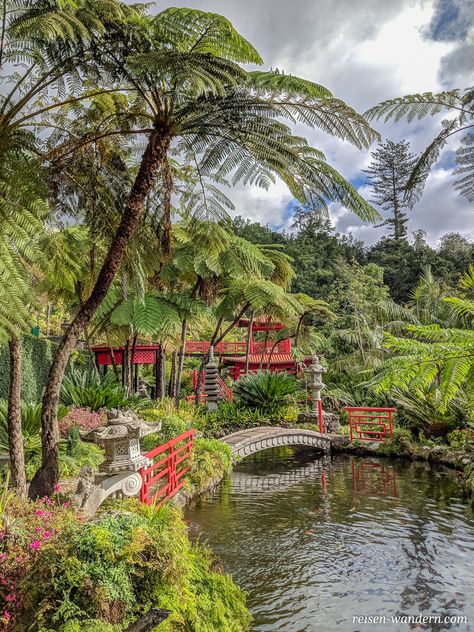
{"type": "Point", "coordinates": [100, 574]}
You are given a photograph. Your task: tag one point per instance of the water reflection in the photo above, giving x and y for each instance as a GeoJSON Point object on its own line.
{"type": "Point", "coordinates": [316, 541]}
{"type": "Point", "coordinates": [377, 476]}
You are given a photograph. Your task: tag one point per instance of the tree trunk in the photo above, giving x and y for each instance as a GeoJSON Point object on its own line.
{"type": "Point", "coordinates": [249, 339]}
{"type": "Point", "coordinates": [162, 373]}
{"type": "Point", "coordinates": [182, 355]}
{"type": "Point", "coordinates": [153, 157]}
{"type": "Point", "coordinates": [166, 220]}
{"type": "Point", "coordinates": [15, 434]}
{"type": "Point", "coordinates": [172, 384]}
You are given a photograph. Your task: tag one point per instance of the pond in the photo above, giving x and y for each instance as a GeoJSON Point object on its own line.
{"type": "Point", "coordinates": [324, 544]}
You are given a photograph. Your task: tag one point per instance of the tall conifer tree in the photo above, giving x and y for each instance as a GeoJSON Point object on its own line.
{"type": "Point", "coordinates": [388, 175]}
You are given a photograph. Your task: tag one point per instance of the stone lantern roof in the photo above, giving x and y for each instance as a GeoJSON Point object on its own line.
{"type": "Point", "coordinates": [121, 441]}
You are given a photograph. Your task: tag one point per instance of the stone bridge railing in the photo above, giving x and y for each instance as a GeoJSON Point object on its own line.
{"type": "Point", "coordinates": [246, 442]}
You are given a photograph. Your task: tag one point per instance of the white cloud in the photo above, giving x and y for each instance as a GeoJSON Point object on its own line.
{"type": "Point", "coordinates": [364, 52]}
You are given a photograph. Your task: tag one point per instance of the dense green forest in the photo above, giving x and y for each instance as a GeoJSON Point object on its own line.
{"type": "Point", "coordinates": [318, 253]}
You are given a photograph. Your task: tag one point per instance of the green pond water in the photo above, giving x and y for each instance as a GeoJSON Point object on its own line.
{"type": "Point", "coordinates": [316, 541]}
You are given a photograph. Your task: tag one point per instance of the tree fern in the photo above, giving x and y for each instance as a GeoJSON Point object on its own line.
{"type": "Point", "coordinates": [417, 106]}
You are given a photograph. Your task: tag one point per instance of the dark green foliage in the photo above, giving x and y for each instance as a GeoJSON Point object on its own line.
{"type": "Point", "coordinates": [402, 265]}
{"type": "Point", "coordinates": [36, 359]}
{"type": "Point", "coordinates": [399, 445]}
{"type": "Point", "coordinates": [83, 388]}
{"type": "Point", "coordinates": [230, 417]}
{"type": "Point", "coordinates": [211, 460]}
{"type": "Point", "coordinates": [317, 255]}
{"type": "Point", "coordinates": [268, 392]}
{"type": "Point", "coordinates": [74, 453]}
{"type": "Point", "coordinates": [115, 568]}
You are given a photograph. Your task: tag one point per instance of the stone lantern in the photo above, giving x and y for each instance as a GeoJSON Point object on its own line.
{"type": "Point", "coordinates": [119, 474]}
{"type": "Point", "coordinates": [315, 372]}
{"type": "Point", "coordinates": [121, 441]}
{"type": "Point", "coordinates": [328, 422]}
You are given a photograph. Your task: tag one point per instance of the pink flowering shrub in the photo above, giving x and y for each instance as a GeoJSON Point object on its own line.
{"type": "Point", "coordinates": [30, 529]}
{"type": "Point", "coordinates": [83, 418]}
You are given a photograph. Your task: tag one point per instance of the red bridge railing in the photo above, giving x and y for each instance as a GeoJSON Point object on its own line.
{"type": "Point", "coordinates": [370, 424]}
{"type": "Point", "coordinates": [166, 474]}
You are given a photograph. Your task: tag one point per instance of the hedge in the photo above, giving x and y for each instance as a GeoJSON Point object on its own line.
{"type": "Point", "coordinates": [37, 354]}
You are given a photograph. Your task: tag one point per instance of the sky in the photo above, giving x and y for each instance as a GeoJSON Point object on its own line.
{"type": "Point", "coordinates": [364, 51]}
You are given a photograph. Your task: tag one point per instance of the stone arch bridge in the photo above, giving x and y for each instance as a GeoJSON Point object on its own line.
{"type": "Point", "coordinates": [246, 442]}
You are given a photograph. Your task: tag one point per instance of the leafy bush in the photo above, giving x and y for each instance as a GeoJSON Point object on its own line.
{"type": "Point", "coordinates": [266, 391]}
{"type": "Point", "coordinates": [75, 454]}
{"type": "Point", "coordinates": [85, 389]}
{"type": "Point", "coordinates": [462, 439]}
{"type": "Point", "coordinates": [399, 445]}
{"type": "Point", "coordinates": [230, 417]}
{"type": "Point", "coordinates": [211, 460]}
{"type": "Point", "coordinates": [81, 574]}
{"type": "Point", "coordinates": [81, 418]}
{"type": "Point", "coordinates": [72, 454]}
{"type": "Point", "coordinates": [173, 421]}
{"type": "Point", "coordinates": [420, 411]}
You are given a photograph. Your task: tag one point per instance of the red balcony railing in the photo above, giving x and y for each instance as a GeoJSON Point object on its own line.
{"type": "Point", "coordinates": [166, 474]}
{"type": "Point", "coordinates": [370, 424]}
{"type": "Point", "coordinates": [237, 347]}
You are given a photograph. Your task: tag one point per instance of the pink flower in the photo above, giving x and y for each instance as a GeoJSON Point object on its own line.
{"type": "Point", "coordinates": [6, 616]}
{"type": "Point", "coordinates": [35, 545]}
{"type": "Point", "coordinates": [57, 487]}
{"type": "Point", "coordinates": [3, 556]}
{"type": "Point", "coordinates": [46, 535]}
{"type": "Point", "coordinates": [10, 597]}
{"type": "Point", "coordinates": [38, 512]}
{"type": "Point", "coordinates": [4, 582]}
{"type": "Point", "coordinates": [39, 529]}
{"type": "Point", "coordinates": [66, 504]}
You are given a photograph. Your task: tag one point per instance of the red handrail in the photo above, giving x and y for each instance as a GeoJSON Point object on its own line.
{"type": "Point", "coordinates": [173, 454]}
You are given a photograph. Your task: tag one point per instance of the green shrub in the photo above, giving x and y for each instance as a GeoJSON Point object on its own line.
{"type": "Point", "coordinates": [72, 454]}
{"type": "Point", "coordinates": [230, 417]}
{"type": "Point", "coordinates": [102, 574]}
{"type": "Point", "coordinates": [399, 445]}
{"type": "Point", "coordinates": [420, 411]}
{"type": "Point", "coordinates": [266, 391]}
{"type": "Point", "coordinates": [211, 460]}
{"type": "Point", "coordinates": [83, 388]}
{"type": "Point", "coordinates": [461, 439]}
{"type": "Point", "coordinates": [173, 421]}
